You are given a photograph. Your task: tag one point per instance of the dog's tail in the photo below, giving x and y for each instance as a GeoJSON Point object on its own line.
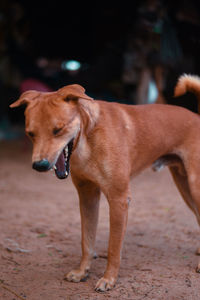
{"type": "Point", "coordinates": [188, 83]}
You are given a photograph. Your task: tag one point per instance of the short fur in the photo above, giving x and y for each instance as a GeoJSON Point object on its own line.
{"type": "Point", "coordinates": [112, 143]}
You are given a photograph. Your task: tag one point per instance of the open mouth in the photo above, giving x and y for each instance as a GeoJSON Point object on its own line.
{"type": "Point", "coordinates": [62, 166]}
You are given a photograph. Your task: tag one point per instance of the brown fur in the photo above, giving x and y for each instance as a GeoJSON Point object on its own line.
{"type": "Point", "coordinates": [112, 143]}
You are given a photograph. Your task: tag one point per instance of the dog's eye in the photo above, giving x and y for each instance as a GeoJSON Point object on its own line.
{"type": "Point", "coordinates": [56, 131]}
{"type": "Point", "coordinates": [31, 134]}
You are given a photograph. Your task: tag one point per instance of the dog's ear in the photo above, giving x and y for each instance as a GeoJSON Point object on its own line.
{"type": "Point", "coordinates": [73, 92]}
{"type": "Point", "coordinates": [25, 98]}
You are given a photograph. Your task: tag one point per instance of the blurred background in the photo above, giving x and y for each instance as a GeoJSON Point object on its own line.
{"type": "Point", "coordinates": [129, 53]}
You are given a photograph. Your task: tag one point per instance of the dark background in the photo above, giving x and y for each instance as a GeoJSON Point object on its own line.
{"type": "Point", "coordinates": [37, 36]}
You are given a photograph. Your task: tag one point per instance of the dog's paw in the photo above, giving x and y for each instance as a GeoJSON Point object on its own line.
{"type": "Point", "coordinates": [105, 284]}
{"type": "Point", "coordinates": [198, 251]}
{"type": "Point", "coordinates": [76, 276]}
{"type": "Point", "coordinates": [198, 268]}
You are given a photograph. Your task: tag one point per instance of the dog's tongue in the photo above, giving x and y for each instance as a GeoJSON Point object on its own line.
{"type": "Point", "coordinates": [60, 165]}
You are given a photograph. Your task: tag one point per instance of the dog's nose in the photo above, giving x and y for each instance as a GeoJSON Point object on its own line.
{"type": "Point", "coordinates": [41, 165]}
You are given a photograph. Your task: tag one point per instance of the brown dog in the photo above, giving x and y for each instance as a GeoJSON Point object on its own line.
{"type": "Point", "coordinates": [105, 144]}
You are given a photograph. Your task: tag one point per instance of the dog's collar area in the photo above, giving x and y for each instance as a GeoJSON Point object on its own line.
{"type": "Point", "coordinates": [62, 166]}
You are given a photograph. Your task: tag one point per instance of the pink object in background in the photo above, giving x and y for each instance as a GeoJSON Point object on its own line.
{"type": "Point", "coordinates": [34, 84]}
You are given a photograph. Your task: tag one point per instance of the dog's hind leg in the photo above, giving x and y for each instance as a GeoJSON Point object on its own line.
{"type": "Point", "coordinates": [89, 195]}
{"type": "Point", "coordinates": [189, 187]}
{"type": "Point", "coordinates": [194, 184]}
{"type": "Point", "coordinates": [179, 175]}
{"type": "Point", "coordinates": [180, 178]}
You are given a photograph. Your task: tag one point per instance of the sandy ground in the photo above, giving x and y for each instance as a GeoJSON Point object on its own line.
{"type": "Point", "coordinates": [40, 237]}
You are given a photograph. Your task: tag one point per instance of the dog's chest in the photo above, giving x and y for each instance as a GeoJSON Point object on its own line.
{"type": "Point", "coordinates": [86, 169]}
{"type": "Point", "coordinates": [81, 163]}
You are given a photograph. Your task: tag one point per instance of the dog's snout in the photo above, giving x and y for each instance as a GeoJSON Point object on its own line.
{"type": "Point", "coordinates": [41, 165]}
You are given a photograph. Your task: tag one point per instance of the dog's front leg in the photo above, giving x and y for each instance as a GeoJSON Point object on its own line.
{"type": "Point", "coordinates": [118, 221]}
{"type": "Point", "coordinates": [89, 195]}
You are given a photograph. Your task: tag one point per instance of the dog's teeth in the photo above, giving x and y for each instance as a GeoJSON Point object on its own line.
{"type": "Point", "coordinates": [55, 168]}
{"type": "Point", "coordinates": [66, 151]}
{"type": "Point", "coordinates": [66, 173]}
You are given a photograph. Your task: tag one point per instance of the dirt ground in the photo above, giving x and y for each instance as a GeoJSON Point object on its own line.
{"type": "Point", "coordinates": [40, 237]}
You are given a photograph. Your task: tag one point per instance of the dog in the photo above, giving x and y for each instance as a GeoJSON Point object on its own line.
{"type": "Point", "coordinates": [103, 145]}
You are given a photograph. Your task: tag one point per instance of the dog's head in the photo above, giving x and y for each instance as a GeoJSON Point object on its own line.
{"type": "Point", "coordinates": [53, 122]}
